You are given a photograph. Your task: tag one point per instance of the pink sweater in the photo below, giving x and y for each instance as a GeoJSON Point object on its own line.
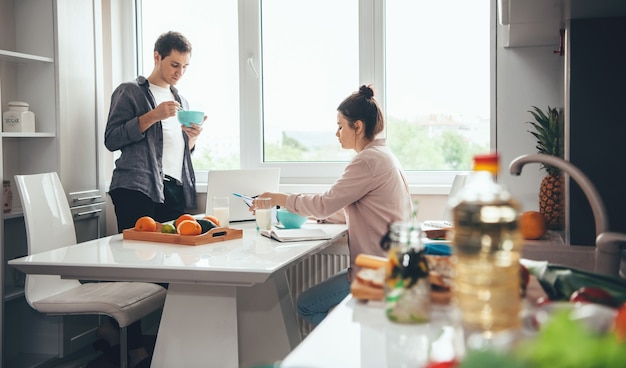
{"type": "Point", "coordinates": [373, 192]}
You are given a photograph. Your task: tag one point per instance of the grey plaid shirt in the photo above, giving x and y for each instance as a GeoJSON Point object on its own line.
{"type": "Point", "coordinates": [140, 164]}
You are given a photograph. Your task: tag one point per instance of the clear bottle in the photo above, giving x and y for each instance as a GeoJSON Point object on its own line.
{"type": "Point", "coordinates": [407, 289]}
{"type": "Point", "coordinates": [487, 246]}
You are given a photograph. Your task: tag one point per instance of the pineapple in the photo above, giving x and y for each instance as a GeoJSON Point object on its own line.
{"type": "Point", "coordinates": [547, 130]}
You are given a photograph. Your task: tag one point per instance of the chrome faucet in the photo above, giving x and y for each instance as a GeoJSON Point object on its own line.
{"type": "Point", "coordinates": [597, 206]}
{"type": "Point", "coordinates": [608, 250]}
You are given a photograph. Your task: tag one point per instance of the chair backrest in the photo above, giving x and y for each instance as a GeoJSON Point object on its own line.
{"type": "Point", "coordinates": [49, 225]}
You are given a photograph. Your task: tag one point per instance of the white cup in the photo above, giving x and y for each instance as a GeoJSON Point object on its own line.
{"type": "Point", "coordinates": [221, 210]}
{"type": "Point", "coordinates": [263, 213]}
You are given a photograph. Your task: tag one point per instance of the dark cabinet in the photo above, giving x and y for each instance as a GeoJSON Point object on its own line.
{"type": "Point", "coordinates": [596, 142]}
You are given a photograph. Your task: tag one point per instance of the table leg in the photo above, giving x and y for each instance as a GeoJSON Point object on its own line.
{"type": "Point", "coordinates": [198, 327]}
{"type": "Point", "coordinates": [226, 326]}
{"type": "Point", "coordinates": [268, 327]}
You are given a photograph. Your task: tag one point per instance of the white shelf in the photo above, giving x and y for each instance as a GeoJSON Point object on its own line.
{"type": "Point", "coordinates": [18, 57]}
{"type": "Point", "coordinates": [27, 135]}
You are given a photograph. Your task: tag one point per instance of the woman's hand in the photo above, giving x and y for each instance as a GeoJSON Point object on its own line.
{"type": "Point", "coordinates": [277, 199]}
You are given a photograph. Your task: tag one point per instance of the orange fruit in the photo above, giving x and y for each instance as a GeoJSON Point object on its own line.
{"type": "Point", "coordinates": [213, 219]}
{"type": "Point", "coordinates": [189, 227]}
{"type": "Point", "coordinates": [145, 223]}
{"type": "Point", "coordinates": [181, 218]}
{"type": "Point", "coordinates": [532, 225]}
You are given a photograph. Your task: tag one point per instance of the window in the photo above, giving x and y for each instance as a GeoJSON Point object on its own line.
{"type": "Point", "coordinates": [211, 82]}
{"type": "Point", "coordinates": [437, 82]}
{"type": "Point", "coordinates": [271, 73]}
{"type": "Point", "coordinates": [310, 64]}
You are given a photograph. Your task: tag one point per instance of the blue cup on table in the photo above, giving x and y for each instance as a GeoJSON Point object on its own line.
{"type": "Point", "coordinates": [289, 220]}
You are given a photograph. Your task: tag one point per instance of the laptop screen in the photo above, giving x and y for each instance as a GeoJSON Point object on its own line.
{"type": "Point", "coordinates": [248, 182]}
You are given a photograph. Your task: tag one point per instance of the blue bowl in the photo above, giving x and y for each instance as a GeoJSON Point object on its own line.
{"type": "Point", "coordinates": [187, 117]}
{"type": "Point", "coordinates": [290, 220]}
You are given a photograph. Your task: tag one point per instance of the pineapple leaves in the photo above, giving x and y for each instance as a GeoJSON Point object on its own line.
{"type": "Point", "coordinates": [547, 131]}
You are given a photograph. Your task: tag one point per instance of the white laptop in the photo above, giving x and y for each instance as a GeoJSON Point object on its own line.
{"type": "Point", "coordinates": [249, 182]}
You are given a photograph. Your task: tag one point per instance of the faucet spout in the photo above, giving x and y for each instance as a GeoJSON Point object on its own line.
{"type": "Point", "coordinates": [597, 206]}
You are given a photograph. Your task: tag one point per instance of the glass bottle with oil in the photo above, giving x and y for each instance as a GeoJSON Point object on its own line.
{"type": "Point", "coordinates": [487, 246]}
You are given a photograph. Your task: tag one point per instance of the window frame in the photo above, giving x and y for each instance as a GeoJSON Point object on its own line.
{"type": "Point", "coordinates": [316, 176]}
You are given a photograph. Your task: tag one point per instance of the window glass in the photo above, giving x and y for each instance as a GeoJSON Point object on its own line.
{"type": "Point", "coordinates": [437, 82]}
{"type": "Point", "coordinates": [310, 64]}
{"type": "Point", "coordinates": [211, 83]}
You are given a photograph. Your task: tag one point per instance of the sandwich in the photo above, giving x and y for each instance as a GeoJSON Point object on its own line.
{"type": "Point", "coordinates": [368, 284]}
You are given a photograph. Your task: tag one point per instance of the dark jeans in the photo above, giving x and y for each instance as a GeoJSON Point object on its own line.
{"type": "Point", "coordinates": [131, 205]}
{"type": "Point", "coordinates": [315, 302]}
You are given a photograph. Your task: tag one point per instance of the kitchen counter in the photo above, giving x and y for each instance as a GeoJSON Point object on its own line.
{"type": "Point", "coordinates": [358, 334]}
{"type": "Point", "coordinates": [576, 256]}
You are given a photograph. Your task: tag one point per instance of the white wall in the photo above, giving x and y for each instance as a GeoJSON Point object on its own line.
{"type": "Point", "coordinates": [526, 77]}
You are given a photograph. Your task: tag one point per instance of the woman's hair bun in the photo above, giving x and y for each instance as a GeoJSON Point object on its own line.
{"type": "Point", "coordinates": [366, 91]}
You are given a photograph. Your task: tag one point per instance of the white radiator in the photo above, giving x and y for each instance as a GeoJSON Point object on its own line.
{"type": "Point", "coordinates": [315, 269]}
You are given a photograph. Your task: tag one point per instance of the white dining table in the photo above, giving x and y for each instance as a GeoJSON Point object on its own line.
{"type": "Point", "coordinates": [228, 303]}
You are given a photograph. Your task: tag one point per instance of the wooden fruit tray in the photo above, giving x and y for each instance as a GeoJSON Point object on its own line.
{"type": "Point", "coordinates": [212, 236]}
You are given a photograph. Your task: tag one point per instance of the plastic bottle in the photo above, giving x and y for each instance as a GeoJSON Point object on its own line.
{"type": "Point", "coordinates": [487, 245]}
{"type": "Point", "coordinates": [407, 289]}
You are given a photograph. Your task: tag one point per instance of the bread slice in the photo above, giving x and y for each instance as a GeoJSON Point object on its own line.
{"type": "Point", "coordinates": [372, 277]}
{"type": "Point", "coordinates": [370, 261]}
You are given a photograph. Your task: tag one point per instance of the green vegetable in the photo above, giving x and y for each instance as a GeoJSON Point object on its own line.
{"type": "Point", "coordinates": [560, 282]}
{"type": "Point", "coordinates": [490, 359]}
{"type": "Point", "coordinates": [561, 343]}
{"type": "Point", "coordinates": [566, 343]}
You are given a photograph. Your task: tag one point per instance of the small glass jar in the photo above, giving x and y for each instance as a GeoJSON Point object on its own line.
{"type": "Point", "coordinates": [407, 289]}
{"type": "Point", "coordinates": [7, 195]}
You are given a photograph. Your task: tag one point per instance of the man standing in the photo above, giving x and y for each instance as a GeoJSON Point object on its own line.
{"type": "Point", "coordinates": [154, 175]}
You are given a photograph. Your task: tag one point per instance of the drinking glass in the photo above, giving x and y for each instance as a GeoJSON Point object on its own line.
{"type": "Point", "coordinates": [263, 213]}
{"type": "Point", "coordinates": [221, 210]}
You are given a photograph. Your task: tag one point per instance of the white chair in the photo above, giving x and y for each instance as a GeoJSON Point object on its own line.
{"type": "Point", "coordinates": [49, 225]}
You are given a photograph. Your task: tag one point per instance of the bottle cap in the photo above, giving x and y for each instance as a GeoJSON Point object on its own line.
{"type": "Point", "coordinates": [487, 162]}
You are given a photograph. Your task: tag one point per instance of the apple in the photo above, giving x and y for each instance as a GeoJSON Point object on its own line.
{"type": "Point", "coordinates": [593, 295]}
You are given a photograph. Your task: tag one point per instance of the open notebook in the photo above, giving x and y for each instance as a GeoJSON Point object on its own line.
{"type": "Point", "coordinates": [249, 182]}
{"type": "Point", "coordinates": [292, 235]}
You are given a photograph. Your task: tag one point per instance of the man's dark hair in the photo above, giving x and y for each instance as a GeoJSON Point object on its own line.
{"type": "Point", "coordinates": [172, 41]}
